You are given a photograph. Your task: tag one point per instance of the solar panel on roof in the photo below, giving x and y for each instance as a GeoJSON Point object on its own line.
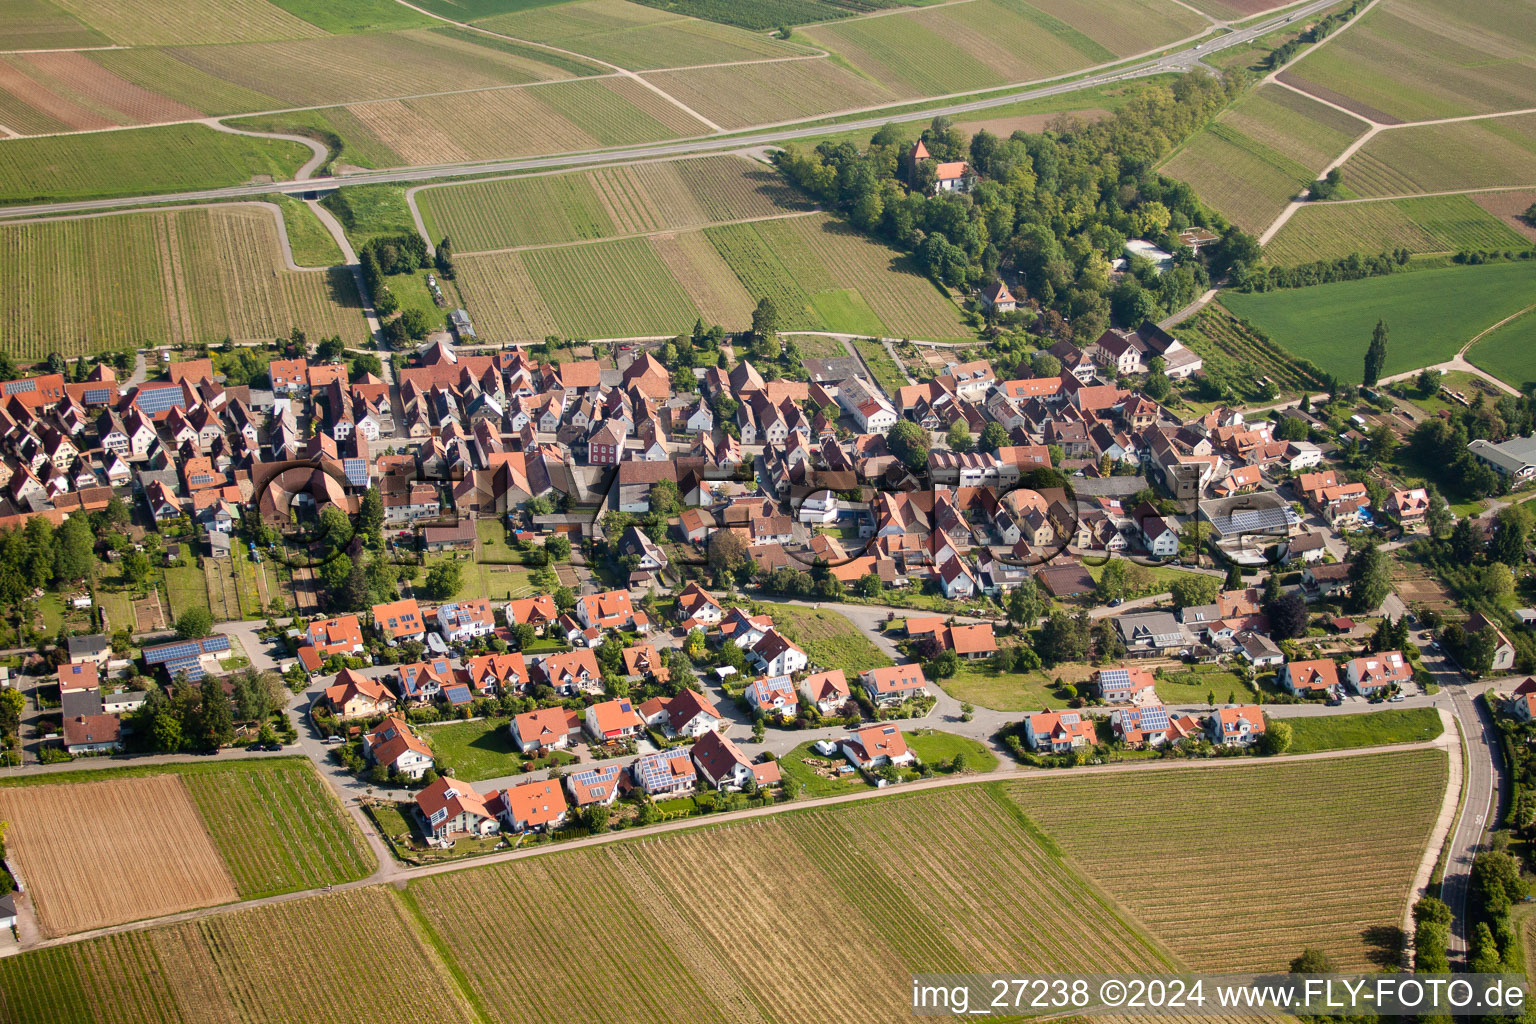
{"type": "Point", "coordinates": [1114, 676]}
{"type": "Point", "coordinates": [97, 396]}
{"type": "Point", "coordinates": [17, 387]}
{"type": "Point", "coordinates": [157, 400]}
{"type": "Point", "coordinates": [1153, 719]}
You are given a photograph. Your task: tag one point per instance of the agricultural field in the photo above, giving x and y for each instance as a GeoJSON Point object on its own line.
{"type": "Point", "coordinates": [884, 369]}
{"type": "Point", "coordinates": [1509, 353]}
{"type": "Point", "coordinates": [60, 91]}
{"type": "Point", "coordinates": [1510, 207]}
{"type": "Point", "coordinates": [1259, 154]}
{"type": "Point", "coordinates": [1433, 224]}
{"type": "Point", "coordinates": [1235, 10]}
{"type": "Point", "coordinates": [171, 158]}
{"type": "Point", "coordinates": [1489, 153]}
{"type": "Point", "coordinates": [164, 22]}
{"type": "Point", "coordinates": [744, 95]}
{"type": "Point", "coordinates": [638, 38]}
{"type": "Point", "coordinates": [1229, 345]}
{"type": "Point", "coordinates": [312, 244]}
{"type": "Point", "coordinates": [1374, 729]}
{"type": "Point", "coordinates": [350, 142]}
{"type": "Point", "coordinates": [354, 15]}
{"type": "Point", "coordinates": [278, 827]}
{"type": "Point", "coordinates": [43, 25]}
{"type": "Point", "coordinates": [629, 200]}
{"type": "Point", "coordinates": [829, 638]}
{"type": "Point", "coordinates": [1281, 833]}
{"type": "Point", "coordinates": [953, 49]}
{"type": "Point", "coordinates": [201, 274]}
{"type": "Point", "coordinates": [1416, 60]}
{"type": "Point", "coordinates": [880, 868]}
{"type": "Point", "coordinates": [1430, 314]}
{"type": "Point", "coordinates": [766, 14]}
{"type": "Point", "coordinates": [242, 965]}
{"type": "Point", "coordinates": [133, 848]}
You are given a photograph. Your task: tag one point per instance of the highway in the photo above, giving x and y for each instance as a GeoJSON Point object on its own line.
{"type": "Point", "coordinates": [1179, 61]}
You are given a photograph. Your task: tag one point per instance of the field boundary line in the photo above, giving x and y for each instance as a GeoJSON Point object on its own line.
{"type": "Point", "coordinates": [623, 72]}
{"type": "Point", "coordinates": [1450, 806]}
{"type": "Point", "coordinates": [1462, 354]}
{"type": "Point", "coordinates": [394, 872]}
{"type": "Point", "coordinates": [320, 152]}
{"type": "Point", "coordinates": [647, 234]}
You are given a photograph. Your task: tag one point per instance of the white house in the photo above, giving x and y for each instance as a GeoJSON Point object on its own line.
{"type": "Point", "coordinates": [1239, 726]}
{"type": "Point", "coordinates": [777, 655]}
{"type": "Point", "coordinates": [466, 620]}
{"type": "Point", "coordinates": [1057, 732]}
{"type": "Point", "coordinates": [393, 744]}
{"type": "Point", "coordinates": [773, 695]}
{"type": "Point", "coordinates": [877, 746]}
{"type": "Point", "coordinates": [892, 684]}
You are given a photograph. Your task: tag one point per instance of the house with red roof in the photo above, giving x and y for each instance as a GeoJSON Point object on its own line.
{"type": "Point", "coordinates": [1057, 732]}
{"type": "Point", "coordinates": [695, 607]}
{"type": "Point", "coordinates": [354, 695]}
{"type": "Point", "coordinates": [1377, 673]}
{"type": "Point", "coordinates": [570, 673]}
{"type": "Point", "coordinates": [1408, 507]}
{"type": "Point", "coordinates": [613, 720]}
{"type": "Point", "coordinates": [891, 685]}
{"type": "Point", "coordinates": [876, 746]}
{"type": "Point", "coordinates": [721, 765]}
{"type": "Point", "coordinates": [531, 807]}
{"type": "Point", "coordinates": [689, 713]}
{"type": "Point", "coordinates": [1318, 676]}
{"type": "Point", "coordinates": [545, 729]}
{"type": "Point", "coordinates": [611, 610]}
{"type": "Point", "coordinates": [599, 785]}
{"type": "Point", "coordinates": [773, 695]}
{"type": "Point", "coordinates": [1238, 726]}
{"type": "Point", "coordinates": [537, 612]}
{"type": "Point", "coordinates": [450, 807]}
{"type": "Point", "coordinates": [828, 691]}
{"type": "Point", "coordinates": [393, 744]}
{"type": "Point", "coordinates": [340, 635]}
{"type": "Point", "coordinates": [399, 620]}
{"type": "Point", "coordinates": [1124, 685]}
{"type": "Point", "coordinates": [497, 673]}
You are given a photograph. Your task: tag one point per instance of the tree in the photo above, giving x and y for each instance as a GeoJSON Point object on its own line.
{"type": "Point", "coordinates": [1438, 517]}
{"type": "Point", "coordinates": [909, 443]}
{"type": "Point", "coordinates": [136, 567]}
{"type": "Point", "coordinates": [416, 323]}
{"type": "Point", "coordinates": [1512, 529]}
{"type": "Point", "coordinates": [1376, 354]}
{"type": "Point", "coordinates": [1429, 382]}
{"type": "Point", "coordinates": [1044, 364]}
{"type": "Point", "coordinates": [993, 437]}
{"type": "Point", "coordinates": [1024, 605]}
{"type": "Point", "coordinates": [765, 319]}
{"type": "Point", "coordinates": [727, 552]}
{"type": "Point", "coordinates": [1063, 638]}
{"type": "Point", "coordinates": [370, 515]}
{"type": "Point", "coordinates": [443, 580]}
{"type": "Point", "coordinates": [12, 704]}
{"type": "Point", "coordinates": [73, 550]}
{"type": "Point", "coordinates": [1370, 579]}
{"type": "Point", "coordinates": [1497, 582]}
{"type": "Point", "coordinates": [944, 666]}
{"type": "Point", "coordinates": [216, 723]}
{"type": "Point", "coordinates": [194, 623]}
{"type": "Point", "coordinates": [1496, 882]}
{"type": "Point", "coordinates": [1464, 542]}
{"type": "Point", "coordinates": [1312, 961]}
{"type": "Point", "coordinates": [1194, 589]}
{"type": "Point", "coordinates": [870, 585]}
{"type": "Point", "coordinates": [1111, 585]}
{"type": "Point", "coordinates": [333, 574]}
{"type": "Point", "coordinates": [558, 547]}
{"type": "Point", "coordinates": [1234, 579]}
{"type": "Point", "coordinates": [1277, 737]}
{"type": "Point", "coordinates": [666, 500]}
{"type": "Point", "coordinates": [959, 437]}
{"type": "Point", "coordinates": [1288, 616]}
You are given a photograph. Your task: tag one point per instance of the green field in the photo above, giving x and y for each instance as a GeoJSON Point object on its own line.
{"type": "Point", "coordinates": [1434, 224]}
{"type": "Point", "coordinates": [889, 870]}
{"type": "Point", "coordinates": [172, 158]}
{"type": "Point", "coordinates": [1490, 153]}
{"type": "Point", "coordinates": [830, 639]}
{"type": "Point", "coordinates": [186, 588]}
{"type": "Point", "coordinates": [1375, 728]}
{"type": "Point", "coordinates": [368, 211]}
{"type": "Point", "coordinates": [1430, 314]}
{"type": "Point", "coordinates": [312, 244]}
{"type": "Point", "coordinates": [1262, 152]}
{"type": "Point", "coordinates": [932, 747]}
{"type": "Point", "coordinates": [1185, 689]}
{"type": "Point", "coordinates": [1509, 353]}
{"type": "Point", "coordinates": [1270, 838]}
{"type": "Point", "coordinates": [636, 199]}
{"type": "Point", "coordinates": [1233, 352]}
{"type": "Point", "coordinates": [350, 141]}
{"type": "Point", "coordinates": [198, 275]}
{"type": "Point", "coordinates": [278, 827]}
{"type": "Point", "coordinates": [812, 785]}
{"type": "Point", "coordinates": [39, 24]}
{"type": "Point", "coordinates": [502, 583]}
{"type": "Point", "coordinates": [886, 373]}
{"type": "Point", "coordinates": [1416, 60]}
{"type": "Point", "coordinates": [985, 687]}
{"type": "Point", "coordinates": [481, 749]}
{"type": "Point", "coordinates": [355, 15]}
{"type": "Point", "coordinates": [766, 14]}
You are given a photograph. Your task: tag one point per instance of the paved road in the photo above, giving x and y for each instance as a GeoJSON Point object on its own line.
{"type": "Point", "coordinates": [1178, 61]}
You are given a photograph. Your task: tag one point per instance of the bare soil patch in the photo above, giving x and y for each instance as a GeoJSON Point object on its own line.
{"type": "Point", "coordinates": [1508, 207]}
{"type": "Point", "coordinates": [1032, 123]}
{"type": "Point", "coordinates": [94, 854]}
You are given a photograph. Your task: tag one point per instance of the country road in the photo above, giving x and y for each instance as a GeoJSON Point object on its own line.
{"type": "Point", "coordinates": [1178, 61]}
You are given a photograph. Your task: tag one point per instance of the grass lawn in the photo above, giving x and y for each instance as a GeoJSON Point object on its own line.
{"type": "Point", "coordinates": [1457, 380]}
{"type": "Point", "coordinates": [793, 766]}
{"type": "Point", "coordinates": [117, 605]}
{"type": "Point", "coordinates": [887, 374]}
{"type": "Point", "coordinates": [1340, 732]}
{"type": "Point", "coordinates": [477, 580]}
{"type": "Point", "coordinates": [312, 244]}
{"type": "Point", "coordinates": [829, 638]}
{"type": "Point", "coordinates": [932, 747]}
{"type": "Point", "coordinates": [1192, 687]}
{"type": "Point", "coordinates": [981, 685]}
{"type": "Point", "coordinates": [493, 543]}
{"type": "Point", "coordinates": [1509, 353]}
{"type": "Point", "coordinates": [186, 587]}
{"type": "Point", "coordinates": [367, 211]}
{"type": "Point", "coordinates": [1429, 315]}
{"type": "Point", "coordinates": [480, 750]}
{"type": "Point", "coordinates": [1163, 577]}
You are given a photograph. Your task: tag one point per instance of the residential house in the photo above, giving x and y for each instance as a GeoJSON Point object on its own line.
{"type": "Point", "coordinates": [1375, 674]}
{"type": "Point", "coordinates": [1317, 677]}
{"type": "Point", "coordinates": [1259, 650]}
{"type": "Point", "coordinates": [689, 713]}
{"type": "Point", "coordinates": [1503, 650]}
{"type": "Point", "coordinates": [722, 765]}
{"type": "Point", "coordinates": [570, 673]}
{"type": "Point", "coordinates": [1153, 633]}
{"type": "Point", "coordinates": [463, 621]}
{"type": "Point", "coordinates": [1408, 507]}
{"type": "Point", "coordinates": [610, 610]}
{"type": "Point", "coordinates": [534, 732]}
{"type": "Point", "coordinates": [450, 807]}
{"type": "Point", "coordinates": [891, 685]}
{"type": "Point", "coordinates": [399, 620]}
{"type": "Point", "coordinates": [1057, 732]}
{"type": "Point", "coordinates": [497, 673]}
{"type": "Point", "coordinates": [695, 607]}
{"type": "Point", "coordinates": [1124, 685]}
{"type": "Point", "coordinates": [354, 695]}
{"type": "Point", "coordinates": [876, 746]}
{"type": "Point", "coordinates": [426, 680]}
{"type": "Point", "coordinates": [827, 691]}
{"type": "Point", "coordinates": [777, 655]}
{"type": "Point", "coordinates": [393, 744]}
{"type": "Point", "coordinates": [773, 695]}
{"type": "Point", "coordinates": [613, 720]}
{"type": "Point", "coordinates": [598, 785]}
{"type": "Point", "coordinates": [1239, 726]}
{"type": "Point", "coordinates": [340, 635]}
{"type": "Point", "coordinates": [1147, 725]}
{"type": "Point", "coordinates": [93, 734]}
{"type": "Point", "coordinates": [93, 649]}
{"type": "Point", "coordinates": [530, 807]}
{"type": "Point", "coordinates": [666, 773]}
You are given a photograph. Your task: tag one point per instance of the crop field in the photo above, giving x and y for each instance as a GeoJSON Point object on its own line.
{"type": "Point", "coordinates": [604, 203]}
{"type": "Point", "coordinates": [354, 15]}
{"type": "Point", "coordinates": [170, 158]}
{"type": "Point", "coordinates": [1443, 157]}
{"type": "Point", "coordinates": [59, 91]}
{"type": "Point", "coordinates": [278, 827]}
{"type": "Point", "coordinates": [1416, 60]}
{"type": "Point", "coordinates": [42, 25]}
{"type": "Point", "coordinates": [638, 38]}
{"type": "Point", "coordinates": [200, 274]}
{"type": "Point", "coordinates": [743, 95]}
{"type": "Point", "coordinates": [951, 49]}
{"type": "Point", "coordinates": [719, 294]}
{"type": "Point", "coordinates": [164, 22]}
{"type": "Point", "coordinates": [93, 854]}
{"type": "Point", "coordinates": [919, 897]}
{"type": "Point", "coordinates": [1430, 314]}
{"type": "Point", "coordinates": [352, 143]}
{"type": "Point", "coordinates": [1234, 10]}
{"type": "Point", "coordinates": [243, 965]}
{"type": "Point", "coordinates": [160, 71]}
{"type": "Point", "coordinates": [1325, 231]}
{"type": "Point", "coordinates": [1261, 153]}
{"type": "Point", "coordinates": [1510, 208]}
{"type": "Point", "coordinates": [610, 289]}
{"type": "Point", "coordinates": [1222, 338]}
{"type": "Point", "coordinates": [766, 14]}
{"type": "Point", "coordinates": [520, 121]}
{"type": "Point", "coordinates": [1271, 839]}
{"type": "Point", "coordinates": [346, 68]}
{"type": "Point", "coordinates": [829, 638]}
{"type": "Point", "coordinates": [1509, 353]}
